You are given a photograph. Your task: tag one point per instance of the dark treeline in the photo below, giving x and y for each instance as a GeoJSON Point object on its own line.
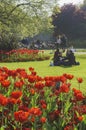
{"type": "Point", "coordinates": [70, 20]}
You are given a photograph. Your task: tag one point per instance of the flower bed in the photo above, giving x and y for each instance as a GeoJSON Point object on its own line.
{"type": "Point", "coordinates": [23, 55]}
{"type": "Point", "coordinates": [31, 102]}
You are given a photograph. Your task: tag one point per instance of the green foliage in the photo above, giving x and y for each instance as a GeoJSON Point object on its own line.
{"type": "Point", "coordinates": [20, 19]}
{"type": "Point", "coordinates": [9, 26]}
{"type": "Point", "coordinates": [56, 10]}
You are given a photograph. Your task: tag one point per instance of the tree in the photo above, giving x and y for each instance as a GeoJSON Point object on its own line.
{"type": "Point", "coordinates": [71, 21]}
{"type": "Point", "coordinates": [22, 18]}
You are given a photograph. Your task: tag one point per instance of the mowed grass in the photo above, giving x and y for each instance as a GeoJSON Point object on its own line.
{"type": "Point", "coordinates": [43, 69]}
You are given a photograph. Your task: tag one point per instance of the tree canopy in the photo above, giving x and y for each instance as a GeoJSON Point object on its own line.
{"type": "Point", "coordinates": [71, 20]}
{"type": "Point", "coordinates": [20, 18]}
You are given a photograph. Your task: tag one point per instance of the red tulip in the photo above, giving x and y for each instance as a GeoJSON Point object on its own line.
{"type": "Point", "coordinates": [80, 80]}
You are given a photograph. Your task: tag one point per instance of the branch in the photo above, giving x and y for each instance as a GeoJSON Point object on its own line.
{"type": "Point", "coordinates": [22, 4]}
{"type": "Point", "coordinates": [17, 7]}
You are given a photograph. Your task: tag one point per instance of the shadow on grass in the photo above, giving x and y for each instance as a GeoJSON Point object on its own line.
{"type": "Point", "coordinates": [64, 66]}
{"type": "Point", "coordinates": [61, 66]}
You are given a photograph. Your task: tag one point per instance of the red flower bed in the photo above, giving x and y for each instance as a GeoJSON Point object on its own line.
{"type": "Point", "coordinates": [32, 102]}
{"type": "Point", "coordinates": [23, 55]}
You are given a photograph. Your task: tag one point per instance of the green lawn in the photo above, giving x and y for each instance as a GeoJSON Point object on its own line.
{"type": "Point", "coordinates": [43, 69]}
